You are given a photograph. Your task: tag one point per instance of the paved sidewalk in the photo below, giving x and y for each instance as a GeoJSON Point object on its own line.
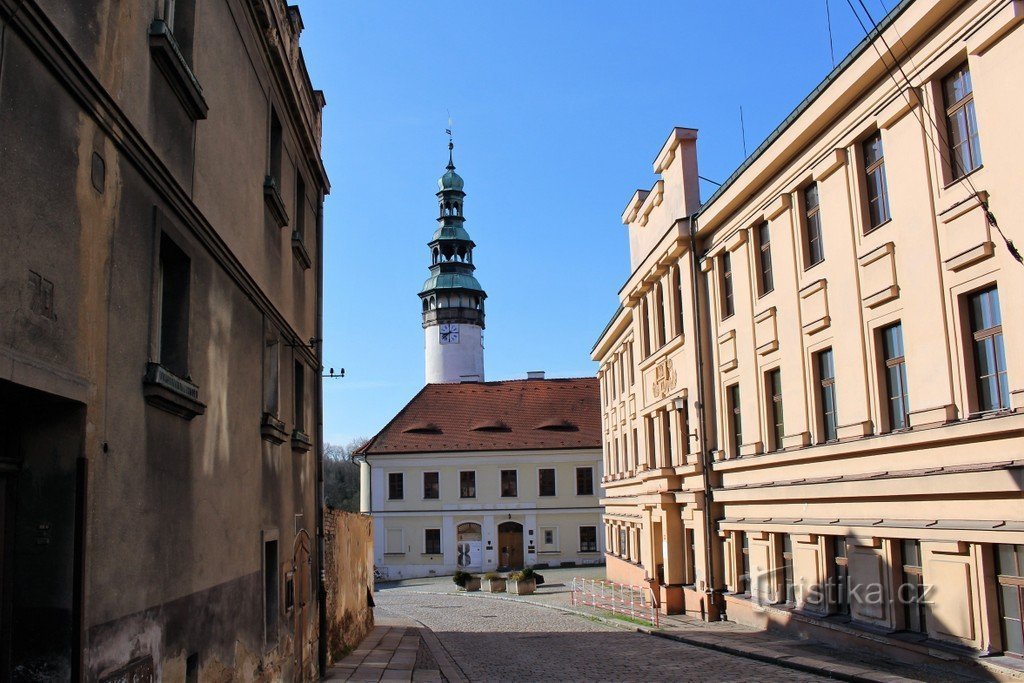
{"type": "Point", "coordinates": [396, 650]}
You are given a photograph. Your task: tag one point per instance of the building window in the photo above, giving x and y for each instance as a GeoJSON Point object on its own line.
{"type": "Point", "coordinates": [1010, 577]}
{"type": "Point", "coordinates": [432, 541]}
{"type": "Point", "coordinates": [549, 536]}
{"type": "Point", "coordinates": [584, 481]}
{"type": "Point", "coordinates": [174, 307]}
{"type": "Point", "coordinates": [912, 589]}
{"type": "Point", "coordinates": [874, 174]}
{"type": "Point", "coordinates": [735, 419]}
{"type": "Point", "coordinates": [989, 354]}
{"type": "Point", "coordinates": [744, 578]}
{"type": "Point", "coordinates": [898, 403]}
{"type": "Point", "coordinates": [649, 432]}
{"type": "Point", "coordinates": [764, 245]}
{"type": "Point", "coordinates": [467, 484]}
{"type": "Point", "coordinates": [396, 486]}
{"type": "Point", "coordinates": [773, 383]}
{"type": "Point", "coordinates": [509, 483]}
{"type": "Point", "coordinates": [300, 206]}
{"type": "Point", "coordinates": [659, 315]}
{"type": "Point", "coordinates": [588, 539]}
{"type": "Point", "coordinates": [299, 395]}
{"type": "Point", "coordinates": [431, 485]}
{"type": "Point", "coordinates": [677, 291]}
{"type": "Point", "coordinates": [274, 153]}
{"type": "Point", "coordinates": [964, 144]}
{"type": "Point", "coordinates": [690, 547]}
{"type": "Point", "coordinates": [666, 438]}
{"type": "Point", "coordinates": [812, 226]}
{"type": "Point", "coordinates": [827, 395]}
{"type": "Point", "coordinates": [788, 584]}
{"type": "Point", "coordinates": [546, 481]}
{"type": "Point", "coordinates": [271, 590]}
{"type": "Point", "coordinates": [728, 305]}
{"type": "Point", "coordinates": [179, 15]}
{"type": "Point", "coordinates": [841, 575]}
{"type": "Point", "coordinates": [623, 542]}
{"type": "Point", "coordinates": [645, 329]}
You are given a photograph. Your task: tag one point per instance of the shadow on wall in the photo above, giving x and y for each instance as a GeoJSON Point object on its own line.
{"type": "Point", "coordinates": [348, 549]}
{"type": "Point", "coordinates": [905, 598]}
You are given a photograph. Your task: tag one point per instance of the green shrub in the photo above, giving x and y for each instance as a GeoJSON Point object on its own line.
{"type": "Point", "coordinates": [524, 574]}
{"type": "Point", "coordinates": [461, 578]}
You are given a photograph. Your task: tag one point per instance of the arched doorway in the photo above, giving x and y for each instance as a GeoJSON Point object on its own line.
{"type": "Point", "coordinates": [510, 545]}
{"type": "Point", "coordinates": [298, 596]}
{"type": "Point", "coordinates": [470, 541]}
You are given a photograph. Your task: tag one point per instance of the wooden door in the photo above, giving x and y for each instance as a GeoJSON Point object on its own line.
{"type": "Point", "coordinates": [302, 587]}
{"type": "Point", "coordinates": [510, 545]}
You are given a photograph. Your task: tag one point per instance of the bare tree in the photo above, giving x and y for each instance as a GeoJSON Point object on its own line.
{"type": "Point", "coordinates": [341, 475]}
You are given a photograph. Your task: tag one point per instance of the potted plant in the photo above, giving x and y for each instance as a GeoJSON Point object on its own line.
{"type": "Point", "coordinates": [522, 582]}
{"type": "Point", "coordinates": [464, 581]}
{"type": "Point", "coordinates": [493, 583]}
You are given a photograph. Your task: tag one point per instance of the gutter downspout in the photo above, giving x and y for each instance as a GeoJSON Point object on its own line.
{"type": "Point", "coordinates": [709, 579]}
{"type": "Point", "coordinates": [320, 549]}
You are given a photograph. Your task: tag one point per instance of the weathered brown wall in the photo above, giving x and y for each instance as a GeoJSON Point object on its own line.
{"type": "Point", "coordinates": [348, 558]}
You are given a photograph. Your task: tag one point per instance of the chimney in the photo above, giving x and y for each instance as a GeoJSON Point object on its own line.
{"type": "Point", "coordinates": [464, 379]}
{"type": "Point", "coordinates": [535, 374]}
{"type": "Point", "coordinates": [677, 165]}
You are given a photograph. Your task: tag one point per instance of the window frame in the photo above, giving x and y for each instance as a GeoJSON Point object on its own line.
{"type": "Point", "coordinates": [812, 217]}
{"type": "Point", "coordinates": [437, 482]}
{"type": "Point", "coordinates": [966, 105]}
{"type": "Point", "coordinates": [540, 482]}
{"type": "Point", "coordinates": [894, 394]}
{"type": "Point", "coordinates": [870, 169]}
{"type": "Point", "coordinates": [776, 411]}
{"type": "Point", "coordinates": [735, 415]}
{"type": "Point", "coordinates": [826, 387]}
{"type": "Point", "coordinates": [501, 482]}
{"type": "Point", "coordinates": [1012, 583]}
{"type": "Point", "coordinates": [766, 275]}
{"type": "Point", "coordinates": [992, 336]}
{"type": "Point", "coordinates": [462, 488]}
{"type": "Point", "coordinates": [589, 468]}
{"type": "Point", "coordinates": [912, 575]}
{"type": "Point", "coordinates": [427, 542]}
{"type": "Point", "coordinates": [583, 549]}
{"type": "Point", "coordinates": [726, 286]}
{"type": "Point", "coordinates": [401, 485]}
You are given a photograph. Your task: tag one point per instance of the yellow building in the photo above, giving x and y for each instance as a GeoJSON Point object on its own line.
{"type": "Point", "coordinates": [487, 476]}
{"type": "Point", "coordinates": [812, 392]}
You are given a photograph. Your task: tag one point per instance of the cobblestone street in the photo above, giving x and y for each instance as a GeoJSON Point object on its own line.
{"type": "Point", "coordinates": [502, 640]}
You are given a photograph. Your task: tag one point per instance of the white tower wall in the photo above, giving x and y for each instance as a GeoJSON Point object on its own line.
{"type": "Point", "coordinates": [452, 362]}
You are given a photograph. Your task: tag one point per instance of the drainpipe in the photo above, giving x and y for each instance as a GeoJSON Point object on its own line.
{"type": "Point", "coordinates": [322, 590]}
{"type": "Point", "coordinates": [709, 578]}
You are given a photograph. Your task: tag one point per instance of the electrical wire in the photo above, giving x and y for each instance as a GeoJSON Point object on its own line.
{"type": "Point", "coordinates": [964, 178]}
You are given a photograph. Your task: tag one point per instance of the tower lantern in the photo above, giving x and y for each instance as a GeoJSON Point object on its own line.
{"type": "Point", "coordinates": [452, 298]}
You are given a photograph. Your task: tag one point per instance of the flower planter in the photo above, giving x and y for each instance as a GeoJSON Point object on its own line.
{"type": "Point", "coordinates": [494, 585]}
{"type": "Point", "coordinates": [471, 586]}
{"type": "Point", "coordinates": [524, 587]}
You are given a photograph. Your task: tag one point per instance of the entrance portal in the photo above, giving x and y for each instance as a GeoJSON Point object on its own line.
{"type": "Point", "coordinates": [470, 546]}
{"type": "Point", "coordinates": [510, 546]}
{"type": "Point", "coordinates": [41, 440]}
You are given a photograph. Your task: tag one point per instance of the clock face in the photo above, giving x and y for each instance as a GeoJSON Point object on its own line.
{"type": "Point", "coordinates": [448, 333]}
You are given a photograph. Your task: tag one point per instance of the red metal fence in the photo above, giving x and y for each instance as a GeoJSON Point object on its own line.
{"type": "Point", "coordinates": [636, 602]}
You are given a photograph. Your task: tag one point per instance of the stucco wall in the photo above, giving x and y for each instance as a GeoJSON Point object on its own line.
{"type": "Point", "coordinates": [348, 558]}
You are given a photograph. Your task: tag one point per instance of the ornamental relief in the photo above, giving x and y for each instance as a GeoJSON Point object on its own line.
{"type": "Point", "coordinates": [664, 379]}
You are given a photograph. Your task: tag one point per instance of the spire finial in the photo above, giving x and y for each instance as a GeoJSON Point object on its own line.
{"type": "Point", "coordinates": [451, 143]}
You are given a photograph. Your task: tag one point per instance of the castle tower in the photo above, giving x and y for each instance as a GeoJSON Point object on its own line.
{"type": "Point", "coordinates": [452, 299]}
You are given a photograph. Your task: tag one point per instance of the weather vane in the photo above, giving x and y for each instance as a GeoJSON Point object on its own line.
{"type": "Point", "coordinates": [448, 130]}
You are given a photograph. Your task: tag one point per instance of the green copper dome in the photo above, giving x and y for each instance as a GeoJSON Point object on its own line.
{"type": "Point", "coordinates": [451, 232]}
{"type": "Point", "coordinates": [450, 181]}
{"type": "Point", "coordinates": [451, 281]}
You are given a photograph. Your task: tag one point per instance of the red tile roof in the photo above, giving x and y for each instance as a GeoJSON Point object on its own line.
{"type": "Point", "coordinates": [492, 416]}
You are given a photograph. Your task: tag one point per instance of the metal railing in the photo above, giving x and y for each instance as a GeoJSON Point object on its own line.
{"type": "Point", "coordinates": [636, 602]}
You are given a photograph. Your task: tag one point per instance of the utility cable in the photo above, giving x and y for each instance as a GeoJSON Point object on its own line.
{"type": "Point", "coordinates": [964, 178]}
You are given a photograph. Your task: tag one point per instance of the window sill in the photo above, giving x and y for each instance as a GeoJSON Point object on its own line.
{"type": "Point", "coordinates": [301, 441]}
{"type": "Point", "coordinates": [813, 265]}
{"type": "Point", "coordinates": [273, 429]}
{"type": "Point", "coordinates": [881, 225]}
{"type": "Point", "coordinates": [168, 58]}
{"type": "Point", "coordinates": [164, 390]}
{"type": "Point", "coordinates": [959, 179]}
{"type": "Point", "coordinates": [299, 251]}
{"type": "Point", "coordinates": [272, 197]}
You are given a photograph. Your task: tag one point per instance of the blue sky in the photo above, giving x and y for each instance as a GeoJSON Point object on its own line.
{"type": "Point", "coordinates": [559, 108]}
